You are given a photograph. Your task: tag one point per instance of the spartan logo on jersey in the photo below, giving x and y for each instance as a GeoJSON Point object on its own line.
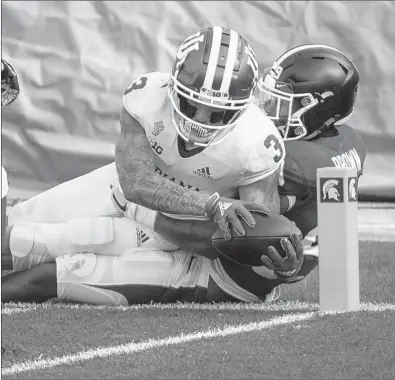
{"type": "Point", "coordinates": [158, 128]}
{"type": "Point", "coordinates": [352, 189]}
{"type": "Point", "coordinates": [142, 237]}
{"type": "Point", "coordinates": [203, 172]}
{"type": "Point", "coordinates": [331, 190]}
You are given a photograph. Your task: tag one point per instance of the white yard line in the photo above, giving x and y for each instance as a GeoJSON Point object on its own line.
{"type": "Point", "coordinates": [293, 306]}
{"type": "Point", "coordinates": [15, 308]}
{"type": "Point", "coordinates": [131, 348]}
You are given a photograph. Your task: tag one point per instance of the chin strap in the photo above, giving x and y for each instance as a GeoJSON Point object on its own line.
{"type": "Point", "coordinates": [317, 133]}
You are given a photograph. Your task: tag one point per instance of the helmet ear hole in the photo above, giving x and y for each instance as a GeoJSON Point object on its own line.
{"type": "Point", "coordinates": [316, 118]}
{"type": "Point", "coordinates": [305, 101]}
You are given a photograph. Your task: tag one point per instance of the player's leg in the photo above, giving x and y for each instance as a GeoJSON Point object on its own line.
{"type": "Point", "coordinates": [37, 284]}
{"type": "Point", "coordinates": [29, 244]}
{"type": "Point", "coordinates": [135, 277]}
{"type": "Point", "coordinates": [86, 196]}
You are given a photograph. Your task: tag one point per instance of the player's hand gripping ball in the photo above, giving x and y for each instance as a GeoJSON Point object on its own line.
{"type": "Point", "coordinates": [274, 242]}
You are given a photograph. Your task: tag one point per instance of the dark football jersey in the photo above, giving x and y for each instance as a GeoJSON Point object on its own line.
{"type": "Point", "coordinates": [342, 147]}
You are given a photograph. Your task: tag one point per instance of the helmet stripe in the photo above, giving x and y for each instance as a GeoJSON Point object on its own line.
{"type": "Point", "coordinates": [214, 53]}
{"type": "Point", "coordinates": [301, 48]}
{"type": "Point", "coordinates": [230, 61]}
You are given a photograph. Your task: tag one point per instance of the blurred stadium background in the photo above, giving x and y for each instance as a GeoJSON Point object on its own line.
{"type": "Point", "coordinates": [75, 59]}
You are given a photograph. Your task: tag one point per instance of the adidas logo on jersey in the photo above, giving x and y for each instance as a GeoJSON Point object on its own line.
{"type": "Point", "coordinates": [204, 172]}
{"type": "Point", "coordinates": [141, 237]}
{"type": "Point", "coordinates": [158, 128]}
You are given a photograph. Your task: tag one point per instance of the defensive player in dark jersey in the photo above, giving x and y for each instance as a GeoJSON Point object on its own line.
{"type": "Point", "coordinates": [309, 92]}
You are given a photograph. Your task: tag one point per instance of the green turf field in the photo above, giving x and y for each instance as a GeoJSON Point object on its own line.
{"type": "Point", "coordinates": [286, 339]}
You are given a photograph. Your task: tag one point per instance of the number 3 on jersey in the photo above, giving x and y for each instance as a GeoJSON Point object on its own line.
{"type": "Point", "coordinates": [137, 85]}
{"type": "Point", "coordinates": [274, 147]}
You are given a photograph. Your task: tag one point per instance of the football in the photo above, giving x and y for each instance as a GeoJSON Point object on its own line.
{"type": "Point", "coordinates": [248, 249]}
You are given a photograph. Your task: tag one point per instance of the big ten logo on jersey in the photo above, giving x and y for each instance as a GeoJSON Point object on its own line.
{"type": "Point", "coordinates": [349, 159]}
{"type": "Point", "coordinates": [155, 146]}
{"type": "Point", "coordinates": [190, 44]}
{"type": "Point", "coordinates": [331, 190]}
{"type": "Point", "coordinates": [175, 180]}
{"type": "Point", "coordinates": [274, 147]}
{"type": "Point", "coordinates": [352, 189]}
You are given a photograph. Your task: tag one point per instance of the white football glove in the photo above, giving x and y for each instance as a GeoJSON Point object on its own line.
{"type": "Point", "coordinates": [132, 210]}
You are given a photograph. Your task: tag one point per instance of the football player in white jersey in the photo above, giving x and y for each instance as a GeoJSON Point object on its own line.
{"type": "Point", "coordinates": [195, 129]}
{"type": "Point", "coordinates": [9, 92]}
{"type": "Point", "coordinates": [191, 143]}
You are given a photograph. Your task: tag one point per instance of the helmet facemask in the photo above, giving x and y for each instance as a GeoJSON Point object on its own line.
{"type": "Point", "coordinates": [286, 109]}
{"type": "Point", "coordinates": [222, 115]}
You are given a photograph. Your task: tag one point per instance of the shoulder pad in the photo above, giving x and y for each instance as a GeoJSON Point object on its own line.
{"type": "Point", "coordinates": [260, 145]}
{"type": "Point", "coordinates": [147, 89]}
{"type": "Point", "coordinates": [305, 157]}
{"type": "Point", "coordinates": [354, 140]}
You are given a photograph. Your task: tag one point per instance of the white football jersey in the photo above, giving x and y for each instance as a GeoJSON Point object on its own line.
{"type": "Point", "coordinates": [252, 150]}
